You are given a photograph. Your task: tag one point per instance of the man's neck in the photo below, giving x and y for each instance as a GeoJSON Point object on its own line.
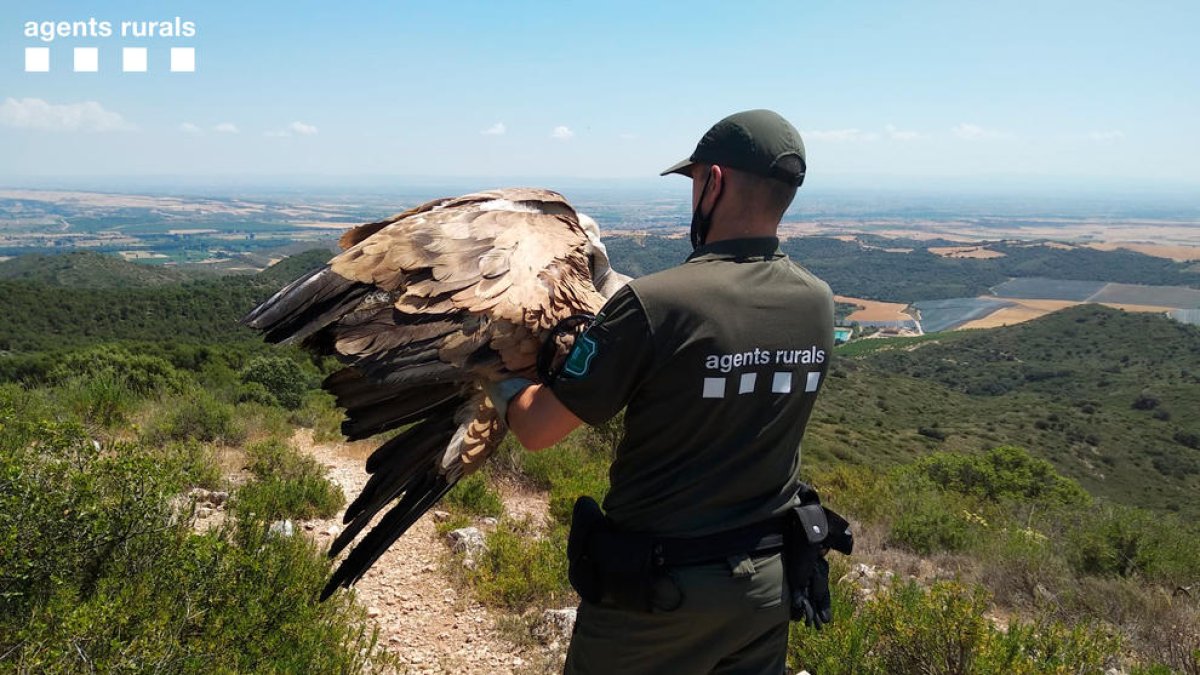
{"type": "Point", "coordinates": [722, 231]}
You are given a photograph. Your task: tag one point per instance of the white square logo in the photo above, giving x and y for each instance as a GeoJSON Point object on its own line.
{"type": "Point", "coordinates": [714, 387]}
{"type": "Point", "coordinates": [133, 59]}
{"type": "Point", "coordinates": [87, 59]}
{"type": "Point", "coordinates": [814, 380]}
{"type": "Point", "coordinates": [183, 59]}
{"type": "Point", "coordinates": [746, 385]}
{"type": "Point", "coordinates": [37, 59]}
{"type": "Point", "coordinates": [782, 383]}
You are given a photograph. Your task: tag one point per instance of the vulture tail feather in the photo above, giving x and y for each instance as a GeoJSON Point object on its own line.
{"type": "Point", "coordinates": [374, 419]}
{"type": "Point", "coordinates": [417, 500]}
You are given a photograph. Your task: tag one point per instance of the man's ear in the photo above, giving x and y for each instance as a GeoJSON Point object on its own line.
{"type": "Point", "coordinates": [715, 188]}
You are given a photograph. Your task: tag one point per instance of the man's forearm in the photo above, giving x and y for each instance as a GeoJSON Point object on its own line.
{"type": "Point", "coordinates": [539, 419]}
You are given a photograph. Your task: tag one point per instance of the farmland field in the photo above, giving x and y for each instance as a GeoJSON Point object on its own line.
{"type": "Point", "coordinates": [939, 315]}
{"type": "Point", "coordinates": [1051, 289]}
{"type": "Point", "coordinates": [1160, 296]}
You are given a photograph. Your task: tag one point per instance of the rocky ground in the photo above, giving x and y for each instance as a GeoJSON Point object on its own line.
{"type": "Point", "coordinates": [431, 624]}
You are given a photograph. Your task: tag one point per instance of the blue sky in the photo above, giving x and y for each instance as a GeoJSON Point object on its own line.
{"type": "Point", "coordinates": [891, 93]}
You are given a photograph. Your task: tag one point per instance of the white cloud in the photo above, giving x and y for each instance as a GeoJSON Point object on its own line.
{"type": "Point", "coordinates": [562, 133]}
{"type": "Point", "coordinates": [842, 135]}
{"type": "Point", "coordinates": [1109, 135]}
{"type": "Point", "coordinates": [497, 129]}
{"type": "Point", "coordinates": [302, 129]}
{"type": "Point", "coordinates": [974, 132]}
{"type": "Point", "coordinates": [189, 128]}
{"type": "Point", "coordinates": [899, 135]}
{"type": "Point", "coordinates": [293, 129]}
{"type": "Point", "coordinates": [226, 128]}
{"type": "Point", "coordinates": [36, 113]}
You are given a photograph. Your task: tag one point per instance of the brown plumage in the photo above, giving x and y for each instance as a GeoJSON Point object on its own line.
{"type": "Point", "coordinates": [422, 307]}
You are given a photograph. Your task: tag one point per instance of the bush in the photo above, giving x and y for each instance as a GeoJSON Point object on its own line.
{"type": "Point", "coordinates": [104, 398]}
{"type": "Point", "coordinates": [941, 630]}
{"type": "Point", "coordinates": [283, 379]}
{"type": "Point", "coordinates": [928, 523]}
{"type": "Point", "coordinates": [289, 485]}
{"type": "Point", "coordinates": [100, 574]}
{"type": "Point", "coordinates": [199, 417]}
{"type": "Point", "coordinates": [1002, 473]}
{"type": "Point", "coordinates": [274, 499]}
{"type": "Point", "coordinates": [473, 496]}
{"type": "Point", "coordinates": [142, 374]}
{"type": "Point", "coordinates": [1125, 541]}
{"type": "Point", "coordinates": [519, 570]}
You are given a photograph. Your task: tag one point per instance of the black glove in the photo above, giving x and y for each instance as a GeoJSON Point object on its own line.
{"type": "Point", "coordinates": [813, 604]}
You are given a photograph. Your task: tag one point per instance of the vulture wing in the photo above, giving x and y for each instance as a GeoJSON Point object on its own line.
{"type": "Point", "coordinates": [421, 308]}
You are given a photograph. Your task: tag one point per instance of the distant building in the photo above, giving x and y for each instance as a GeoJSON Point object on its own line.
{"type": "Point", "coordinates": [842, 334]}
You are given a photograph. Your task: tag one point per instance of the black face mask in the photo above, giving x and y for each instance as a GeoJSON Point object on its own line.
{"type": "Point", "coordinates": [700, 222]}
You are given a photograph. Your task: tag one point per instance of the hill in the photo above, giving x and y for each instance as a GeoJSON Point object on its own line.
{"type": "Point", "coordinates": [71, 307]}
{"type": "Point", "coordinates": [1111, 398]}
{"type": "Point", "coordinates": [86, 269]}
{"type": "Point", "coordinates": [907, 270]}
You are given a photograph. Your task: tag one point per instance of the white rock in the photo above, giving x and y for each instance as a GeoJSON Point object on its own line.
{"type": "Point", "coordinates": [218, 498]}
{"type": "Point", "coordinates": [282, 528]}
{"type": "Point", "coordinates": [489, 521]}
{"type": "Point", "coordinates": [332, 531]}
{"type": "Point", "coordinates": [469, 541]}
{"type": "Point", "coordinates": [440, 516]}
{"type": "Point", "coordinates": [373, 612]}
{"type": "Point", "coordinates": [554, 625]}
{"type": "Point", "coordinates": [203, 512]}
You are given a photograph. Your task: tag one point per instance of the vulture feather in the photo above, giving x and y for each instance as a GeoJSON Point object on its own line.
{"type": "Point", "coordinates": [422, 308]}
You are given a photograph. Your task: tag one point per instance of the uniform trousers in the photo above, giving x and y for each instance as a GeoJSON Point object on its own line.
{"type": "Point", "coordinates": [730, 618]}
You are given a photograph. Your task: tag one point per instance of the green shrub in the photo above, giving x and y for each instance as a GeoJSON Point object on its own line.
{"type": "Point", "coordinates": [519, 570]}
{"type": "Point", "coordinates": [104, 398]}
{"type": "Point", "coordinates": [284, 379]}
{"type": "Point", "coordinates": [940, 630]}
{"type": "Point", "coordinates": [197, 462]}
{"type": "Point", "coordinates": [1002, 473]}
{"type": "Point", "coordinates": [197, 417]}
{"type": "Point", "coordinates": [474, 496]}
{"type": "Point", "coordinates": [1126, 541]}
{"type": "Point", "coordinates": [255, 392]}
{"type": "Point", "coordinates": [301, 498]}
{"type": "Point", "coordinates": [99, 574]}
{"type": "Point", "coordinates": [289, 485]}
{"type": "Point", "coordinates": [143, 374]}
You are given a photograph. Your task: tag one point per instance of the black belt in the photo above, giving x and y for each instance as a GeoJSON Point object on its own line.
{"type": "Point", "coordinates": [758, 537]}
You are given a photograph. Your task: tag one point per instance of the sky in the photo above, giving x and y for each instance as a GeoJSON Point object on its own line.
{"type": "Point", "coordinates": [1051, 93]}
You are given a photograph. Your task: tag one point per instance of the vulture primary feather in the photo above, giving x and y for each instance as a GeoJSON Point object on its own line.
{"type": "Point", "coordinates": [422, 308]}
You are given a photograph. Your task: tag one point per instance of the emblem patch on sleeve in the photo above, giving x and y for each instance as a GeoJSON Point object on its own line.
{"type": "Point", "coordinates": [580, 359]}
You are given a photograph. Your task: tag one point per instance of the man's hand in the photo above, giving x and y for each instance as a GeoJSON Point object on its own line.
{"type": "Point", "coordinates": [503, 391]}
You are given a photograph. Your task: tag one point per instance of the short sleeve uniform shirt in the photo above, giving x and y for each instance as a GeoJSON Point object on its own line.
{"type": "Point", "coordinates": [718, 362]}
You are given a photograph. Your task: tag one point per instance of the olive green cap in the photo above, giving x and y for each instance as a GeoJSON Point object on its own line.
{"type": "Point", "coordinates": [756, 141]}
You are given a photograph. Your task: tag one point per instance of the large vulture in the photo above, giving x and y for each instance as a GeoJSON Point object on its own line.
{"type": "Point", "coordinates": [421, 308]}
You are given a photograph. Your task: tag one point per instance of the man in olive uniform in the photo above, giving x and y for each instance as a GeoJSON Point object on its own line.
{"type": "Point", "coordinates": [718, 363]}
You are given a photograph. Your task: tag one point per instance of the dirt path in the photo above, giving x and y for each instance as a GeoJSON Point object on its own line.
{"type": "Point", "coordinates": [428, 623]}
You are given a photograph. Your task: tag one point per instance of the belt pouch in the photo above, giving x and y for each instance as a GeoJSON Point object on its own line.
{"type": "Point", "coordinates": [806, 533]}
{"type": "Point", "coordinates": [582, 568]}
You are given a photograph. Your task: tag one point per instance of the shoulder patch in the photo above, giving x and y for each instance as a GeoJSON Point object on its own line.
{"type": "Point", "coordinates": [580, 359]}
